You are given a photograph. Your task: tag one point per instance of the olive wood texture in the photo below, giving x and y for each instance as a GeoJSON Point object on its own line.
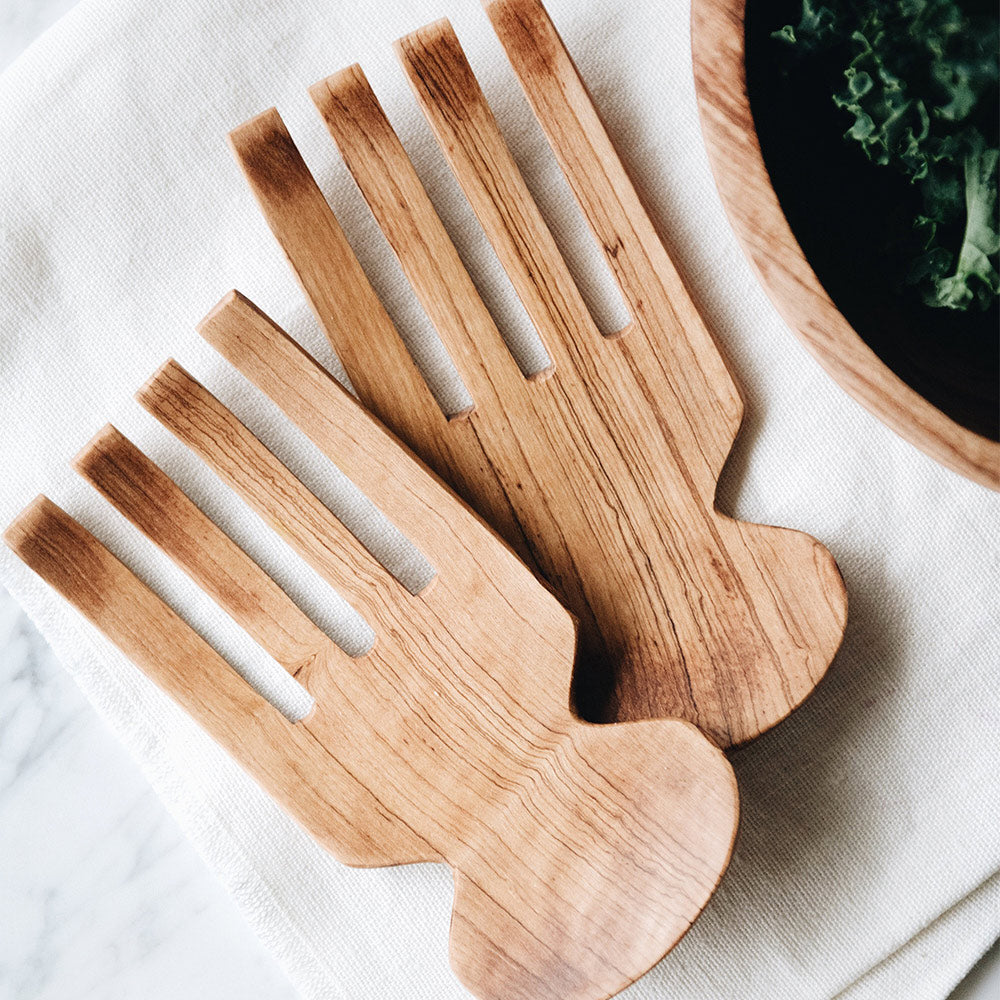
{"type": "Point", "coordinates": [604, 471]}
{"type": "Point", "coordinates": [719, 53]}
{"type": "Point", "coordinates": [580, 853]}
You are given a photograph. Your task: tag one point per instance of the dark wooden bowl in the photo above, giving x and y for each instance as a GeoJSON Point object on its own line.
{"type": "Point", "coordinates": [936, 392]}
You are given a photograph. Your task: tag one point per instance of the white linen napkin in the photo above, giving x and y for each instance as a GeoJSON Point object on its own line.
{"type": "Point", "coordinates": [867, 863]}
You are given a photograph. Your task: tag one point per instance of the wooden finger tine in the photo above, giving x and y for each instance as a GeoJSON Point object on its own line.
{"type": "Point", "coordinates": [563, 106]}
{"type": "Point", "coordinates": [376, 360]}
{"type": "Point", "coordinates": [405, 214]}
{"type": "Point", "coordinates": [459, 115]}
{"type": "Point", "coordinates": [147, 631]}
{"type": "Point", "coordinates": [196, 417]}
{"type": "Point", "coordinates": [156, 505]}
{"type": "Point", "coordinates": [382, 468]}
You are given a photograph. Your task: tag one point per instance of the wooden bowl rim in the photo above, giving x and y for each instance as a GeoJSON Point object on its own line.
{"type": "Point", "coordinates": [719, 58]}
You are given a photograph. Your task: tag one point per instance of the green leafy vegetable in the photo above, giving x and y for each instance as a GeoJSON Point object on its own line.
{"type": "Point", "coordinates": [919, 82]}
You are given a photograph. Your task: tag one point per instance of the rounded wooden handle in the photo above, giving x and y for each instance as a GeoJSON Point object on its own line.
{"type": "Point", "coordinates": [631, 826]}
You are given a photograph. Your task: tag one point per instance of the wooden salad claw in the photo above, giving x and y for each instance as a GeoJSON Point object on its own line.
{"type": "Point", "coordinates": [602, 470]}
{"type": "Point", "coordinates": [580, 853]}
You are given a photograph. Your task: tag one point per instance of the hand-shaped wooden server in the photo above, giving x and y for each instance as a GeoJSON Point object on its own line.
{"type": "Point", "coordinates": [580, 852]}
{"type": "Point", "coordinates": [602, 474]}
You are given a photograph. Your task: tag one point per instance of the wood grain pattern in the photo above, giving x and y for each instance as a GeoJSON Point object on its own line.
{"type": "Point", "coordinates": [581, 853]}
{"type": "Point", "coordinates": [426, 253]}
{"type": "Point", "coordinates": [609, 465]}
{"type": "Point", "coordinates": [350, 314]}
{"type": "Point", "coordinates": [158, 507]}
{"type": "Point", "coordinates": [468, 134]}
{"type": "Point", "coordinates": [717, 33]}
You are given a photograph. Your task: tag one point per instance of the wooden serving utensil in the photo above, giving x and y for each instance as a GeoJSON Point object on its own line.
{"type": "Point", "coordinates": [602, 470]}
{"type": "Point", "coordinates": [580, 853]}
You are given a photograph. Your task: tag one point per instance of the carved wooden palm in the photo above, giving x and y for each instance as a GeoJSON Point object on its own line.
{"type": "Point", "coordinates": [581, 853]}
{"type": "Point", "coordinates": [602, 470]}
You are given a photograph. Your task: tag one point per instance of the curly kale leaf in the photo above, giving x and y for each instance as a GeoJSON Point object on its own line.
{"type": "Point", "coordinates": [973, 277]}
{"type": "Point", "coordinates": [815, 25]}
{"type": "Point", "coordinates": [920, 85]}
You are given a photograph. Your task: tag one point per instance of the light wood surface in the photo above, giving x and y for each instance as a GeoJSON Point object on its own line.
{"type": "Point", "coordinates": [605, 471]}
{"type": "Point", "coordinates": [350, 314]}
{"type": "Point", "coordinates": [580, 853]}
{"type": "Point", "coordinates": [717, 33]}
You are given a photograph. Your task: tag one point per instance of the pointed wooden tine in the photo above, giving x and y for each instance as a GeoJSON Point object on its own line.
{"type": "Point", "coordinates": [158, 507]}
{"type": "Point", "coordinates": [72, 561]}
{"type": "Point", "coordinates": [564, 109]}
{"type": "Point", "coordinates": [649, 282]}
{"type": "Point", "coordinates": [467, 132]}
{"type": "Point", "coordinates": [349, 312]}
{"type": "Point", "coordinates": [404, 212]}
{"type": "Point", "coordinates": [409, 495]}
{"type": "Point", "coordinates": [196, 417]}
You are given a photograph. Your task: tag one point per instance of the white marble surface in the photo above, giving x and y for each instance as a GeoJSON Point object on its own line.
{"type": "Point", "coordinates": [100, 894]}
